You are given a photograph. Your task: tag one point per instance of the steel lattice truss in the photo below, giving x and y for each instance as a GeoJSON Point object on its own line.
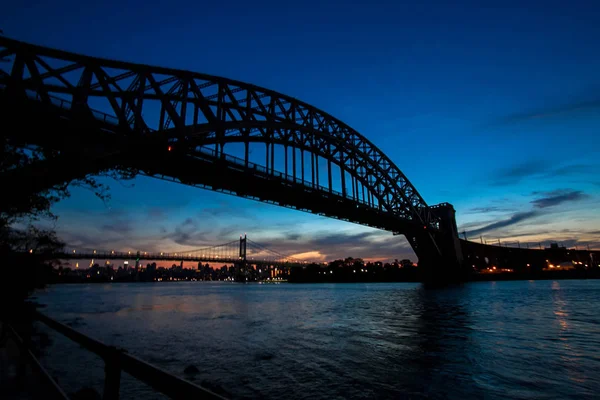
{"type": "Point", "coordinates": [197, 110]}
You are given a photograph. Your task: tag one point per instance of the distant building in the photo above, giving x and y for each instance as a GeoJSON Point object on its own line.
{"type": "Point", "coordinates": [151, 268]}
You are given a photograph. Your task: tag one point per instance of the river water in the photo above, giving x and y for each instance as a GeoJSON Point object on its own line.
{"type": "Point", "coordinates": [519, 340]}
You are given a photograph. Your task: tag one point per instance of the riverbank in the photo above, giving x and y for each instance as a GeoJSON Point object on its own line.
{"type": "Point", "coordinates": [413, 276]}
{"type": "Point", "coordinates": [341, 275]}
{"type": "Point", "coordinates": [537, 276]}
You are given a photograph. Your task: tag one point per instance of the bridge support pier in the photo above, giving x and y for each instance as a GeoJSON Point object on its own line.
{"type": "Point", "coordinates": [241, 267]}
{"type": "Point", "coordinates": [241, 271]}
{"type": "Point", "coordinates": [440, 253]}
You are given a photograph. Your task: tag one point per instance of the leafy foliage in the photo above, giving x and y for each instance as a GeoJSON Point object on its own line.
{"type": "Point", "coordinates": [16, 156]}
{"type": "Point", "coordinates": [27, 253]}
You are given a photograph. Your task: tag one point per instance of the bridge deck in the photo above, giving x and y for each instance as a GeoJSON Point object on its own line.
{"type": "Point", "coordinates": [169, 257]}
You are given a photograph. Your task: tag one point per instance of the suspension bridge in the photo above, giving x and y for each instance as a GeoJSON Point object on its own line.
{"type": "Point", "coordinates": [242, 251]}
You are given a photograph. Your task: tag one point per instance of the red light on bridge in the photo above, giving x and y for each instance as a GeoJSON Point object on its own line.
{"type": "Point", "coordinates": [169, 148]}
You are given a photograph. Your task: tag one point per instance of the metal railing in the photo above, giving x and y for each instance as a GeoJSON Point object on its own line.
{"type": "Point", "coordinates": [117, 360]}
{"type": "Point", "coordinates": [278, 174]}
{"type": "Point", "coordinates": [54, 391]}
{"type": "Point", "coordinates": [67, 105]}
{"type": "Point", "coordinates": [130, 255]}
{"type": "Point", "coordinates": [513, 245]}
{"type": "Point", "coordinates": [122, 255]}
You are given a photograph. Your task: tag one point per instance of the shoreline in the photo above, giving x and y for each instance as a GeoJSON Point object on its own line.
{"type": "Point", "coordinates": [539, 276]}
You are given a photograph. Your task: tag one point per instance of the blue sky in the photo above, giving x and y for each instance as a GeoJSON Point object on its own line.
{"type": "Point", "coordinates": [495, 109]}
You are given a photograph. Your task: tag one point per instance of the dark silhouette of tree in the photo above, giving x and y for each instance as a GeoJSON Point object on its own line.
{"type": "Point", "coordinates": [26, 251]}
{"type": "Point", "coordinates": [17, 155]}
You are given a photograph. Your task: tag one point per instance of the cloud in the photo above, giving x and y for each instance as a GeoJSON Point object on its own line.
{"type": "Point", "coordinates": [156, 213]}
{"type": "Point", "coordinates": [467, 226]}
{"type": "Point", "coordinates": [189, 233]}
{"type": "Point", "coordinates": [122, 227]}
{"type": "Point", "coordinates": [539, 169]}
{"type": "Point", "coordinates": [225, 209]}
{"type": "Point", "coordinates": [103, 230]}
{"type": "Point", "coordinates": [199, 233]}
{"type": "Point", "coordinates": [512, 220]}
{"type": "Point", "coordinates": [488, 209]}
{"type": "Point", "coordinates": [81, 240]}
{"type": "Point", "coordinates": [293, 236]}
{"type": "Point", "coordinates": [547, 113]}
{"type": "Point", "coordinates": [92, 241]}
{"type": "Point", "coordinates": [518, 172]}
{"type": "Point", "coordinates": [554, 198]}
{"type": "Point", "coordinates": [330, 245]}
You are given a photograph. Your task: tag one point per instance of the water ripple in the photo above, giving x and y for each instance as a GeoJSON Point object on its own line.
{"type": "Point", "coordinates": [522, 340]}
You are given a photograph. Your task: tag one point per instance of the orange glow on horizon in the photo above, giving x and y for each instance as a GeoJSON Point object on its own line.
{"type": "Point", "coordinates": [308, 256]}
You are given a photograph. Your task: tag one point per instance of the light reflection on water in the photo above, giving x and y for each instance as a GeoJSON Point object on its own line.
{"type": "Point", "coordinates": [498, 339]}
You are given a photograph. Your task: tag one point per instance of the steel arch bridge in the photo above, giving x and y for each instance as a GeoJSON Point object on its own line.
{"type": "Point", "coordinates": [179, 125]}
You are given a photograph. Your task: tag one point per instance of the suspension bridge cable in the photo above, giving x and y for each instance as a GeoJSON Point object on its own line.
{"type": "Point", "coordinates": [272, 252]}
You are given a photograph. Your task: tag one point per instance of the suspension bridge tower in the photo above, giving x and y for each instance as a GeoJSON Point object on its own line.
{"type": "Point", "coordinates": [242, 272]}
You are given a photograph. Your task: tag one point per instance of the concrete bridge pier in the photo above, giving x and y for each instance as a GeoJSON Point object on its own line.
{"type": "Point", "coordinates": [241, 271]}
{"type": "Point", "coordinates": [439, 252]}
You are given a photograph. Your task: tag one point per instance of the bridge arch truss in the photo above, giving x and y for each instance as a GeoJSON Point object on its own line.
{"type": "Point", "coordinates": [195, 111]}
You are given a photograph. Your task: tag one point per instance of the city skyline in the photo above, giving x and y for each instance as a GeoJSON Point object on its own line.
{"type": "Point", "coordinates": [495, 126]}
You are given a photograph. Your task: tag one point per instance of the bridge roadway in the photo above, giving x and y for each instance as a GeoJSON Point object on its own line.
{"type": "Point", "coordinates": [146, 256]}
{"type": "Point", "coordinates": [524, 259]}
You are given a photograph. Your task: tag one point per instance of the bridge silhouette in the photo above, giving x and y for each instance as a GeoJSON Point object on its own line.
{"type": "Point", "coordinates": [91, 115]}
{"type": "Point", "coordinates": [244, 251]}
